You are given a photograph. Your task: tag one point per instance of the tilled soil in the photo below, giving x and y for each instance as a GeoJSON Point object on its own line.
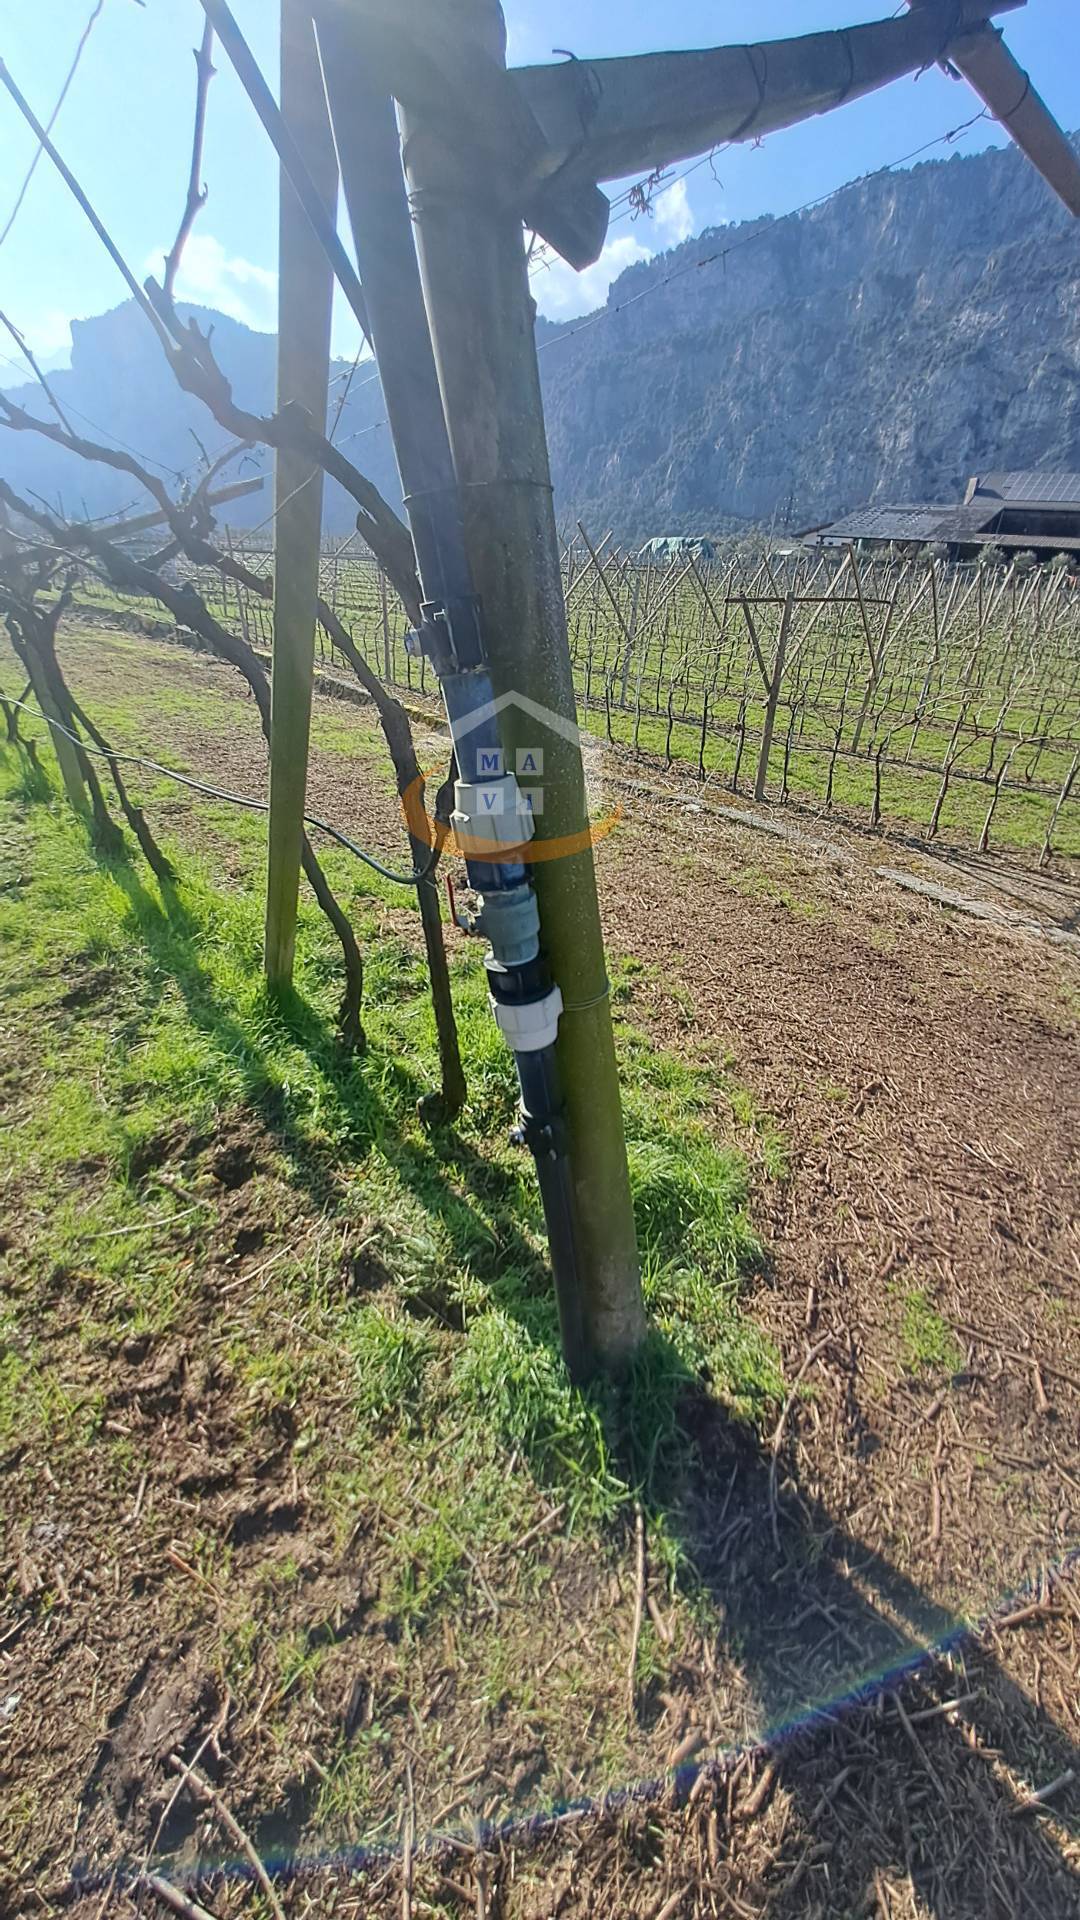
{"type": "Point", "coordinates": [922, 1284]}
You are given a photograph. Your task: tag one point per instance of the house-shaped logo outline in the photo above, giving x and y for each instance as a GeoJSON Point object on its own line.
{"type": "Point", "coordinates": [589, 748]}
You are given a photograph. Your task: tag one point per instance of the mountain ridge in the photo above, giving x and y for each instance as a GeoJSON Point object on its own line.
{"type": "Point", "coordinates": [886, 344]}
{"type": "Point", "coordinates": [914, 327]}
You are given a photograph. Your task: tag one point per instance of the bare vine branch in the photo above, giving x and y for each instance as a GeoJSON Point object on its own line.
{"type": "Point", "coordinates": [191, 357]}
{"type": "Point", "coordinates": [189, 524]}
{"type": "Point", "coordinates": [60, 98]}
{"type": "Point", "coordinates": [196, 194]}
{"type": "Point", "coordinates": [27, 354]}
{"type": "Point", "coordinates": [190, 610]}
{"type": "Point", "coordinates": [19, 421]}
{"type": "Point", "coordinates": [7, 81]}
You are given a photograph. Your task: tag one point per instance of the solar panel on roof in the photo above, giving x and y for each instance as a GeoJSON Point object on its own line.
{"type": "Point", "coordinates": [924, 521]}
{"type": "Point", "coordinates": [1046, 484]}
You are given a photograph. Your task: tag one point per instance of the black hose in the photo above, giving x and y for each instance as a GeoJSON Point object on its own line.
{"type": "Point", "coordinates": [543, 1132]}
{"type": "Point", "coordinates": [410, 879]}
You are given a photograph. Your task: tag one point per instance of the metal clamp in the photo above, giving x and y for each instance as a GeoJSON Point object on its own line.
{"type": "Point", "coordinates": [545, 1139]}
{"type": "Point", "coordinates": [489, 816]}
{"type": "Point", "coordinates": [449, 635]}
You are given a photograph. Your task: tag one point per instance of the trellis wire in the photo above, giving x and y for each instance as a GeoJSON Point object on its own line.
{"type": "Point", "coordinates": [908, 691]}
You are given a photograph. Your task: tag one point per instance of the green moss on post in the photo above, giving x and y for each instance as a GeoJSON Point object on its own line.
{"type": "Point", "coordinates": [481, 314]}
{"type": "Point", "coordinates": [305, 294]}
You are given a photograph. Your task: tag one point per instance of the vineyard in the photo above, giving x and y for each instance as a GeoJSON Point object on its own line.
{"type": "Point", "coordinates": [917, 695]}
{"type": "Point", "coordinates": [538, 1364]}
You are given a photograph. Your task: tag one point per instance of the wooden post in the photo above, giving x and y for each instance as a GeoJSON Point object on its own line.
{"type": "Point", "coordinates": [385, 613]}
{"type": "Point", "coordinates": [1048, 843]}
{"type": "Point", "coordinates": [481, 316]}
{"type": "Point", "coordinates": [774, 695]}
{"type": "Point", "coordinates": [305, 292]}
{"type": "Point", "coordinates": [630, 631]}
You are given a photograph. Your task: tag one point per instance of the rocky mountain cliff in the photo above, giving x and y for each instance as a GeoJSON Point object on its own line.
{"type": "Point", "coordinates": [914, 328]}
{"type": "Point", "coordinates": [885, 345]}
{"type": "Point", "coordinates": [120, 390]}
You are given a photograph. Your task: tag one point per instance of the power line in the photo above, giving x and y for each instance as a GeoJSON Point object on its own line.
{"type": "Point", "coordinates": [411, 879]}
{"type": "Point", "coordinates": [592, 320]}
{"type": "Point", "coordinates": [148, 459]}
{"type": "Point", "coordinates": [690, 266]}
{"type": "Point", "coordinates": [51, 122]}
{"type": "Point", "coordinates": [721, 253]}
{"type": "Point", "coordinates": [632, 209]}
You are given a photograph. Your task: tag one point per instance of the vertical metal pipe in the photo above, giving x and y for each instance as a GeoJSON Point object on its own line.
{"type": "Point", "coordinates": [368, 147]}
{"type": "Point", "coordinates": [481, 316]}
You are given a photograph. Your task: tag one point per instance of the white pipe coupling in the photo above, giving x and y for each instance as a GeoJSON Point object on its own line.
{"type": "Point", "coordinates": [529, 1027]}
{"type": "Point", "coordinates": [490, 815]}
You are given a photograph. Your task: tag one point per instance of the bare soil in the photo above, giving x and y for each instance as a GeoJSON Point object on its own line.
{"type": "Point", "coordinates": [922, 1069]}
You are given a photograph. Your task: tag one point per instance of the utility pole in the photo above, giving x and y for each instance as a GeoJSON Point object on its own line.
{"type": "Point", "coordinates": [481, 318]}
{"type": "Point", "coordinates": [305, 294]}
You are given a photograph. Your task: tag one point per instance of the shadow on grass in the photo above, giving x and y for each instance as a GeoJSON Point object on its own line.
{"type": "Point", "coordinates": [477, 1200]}
{"type": "Point", "coordinates": [813, 1619]}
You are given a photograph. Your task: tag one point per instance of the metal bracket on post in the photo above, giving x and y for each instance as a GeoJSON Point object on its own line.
{"type": "Point", "coordinates": [450, 635]}
{"type": "Point", "coordinates": [545, 1139]}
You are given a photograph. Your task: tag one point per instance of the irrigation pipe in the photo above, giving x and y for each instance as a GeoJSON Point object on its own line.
{"type": "Point", "coordinates": [413, 878]}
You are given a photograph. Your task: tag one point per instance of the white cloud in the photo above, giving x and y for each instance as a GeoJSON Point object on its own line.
{"type": "Point", "coordinates": [49, 336]}
{"type": "Point", "coordinates": [673, 217]}
{"type": "Point", "coordinates": [561, 293]}
{"type": "Point", "coordinates": [209, 276]}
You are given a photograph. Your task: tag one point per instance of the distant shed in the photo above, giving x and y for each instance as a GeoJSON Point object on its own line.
{"type": "Point", "coordinates": [1037, 510]}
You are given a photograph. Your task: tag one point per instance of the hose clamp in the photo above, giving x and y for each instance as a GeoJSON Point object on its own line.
{"type": "Point", "coordinates": [449, 634]}
{"type": "Point", "coordinates": [490, 816]}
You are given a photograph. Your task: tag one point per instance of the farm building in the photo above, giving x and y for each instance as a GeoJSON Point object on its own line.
{"type": "Point", "coordinates": [1037, 510]}
{"type": "Point", "coordinates": [667, 547]}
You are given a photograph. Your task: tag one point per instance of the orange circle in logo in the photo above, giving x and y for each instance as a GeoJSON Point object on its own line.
{"type": "Point", "coordinates": [529, 853]}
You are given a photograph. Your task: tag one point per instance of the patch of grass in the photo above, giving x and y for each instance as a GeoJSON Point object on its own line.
{"type": "Point", "coordinates": [760, 885]}
{"type": "Point", "coordinates": [391, 1356]}
{"type": "Point", "coordinates": [453, 1417]}
{"type": "Point", "coordinates": [37, 1400]}
{"type": "Point", "coordinates": [345, 1792]}
{"type": "Point", "coordinates": [298, 1661]}
{"type": "Point", "coordinates": [273, 1378]}
{"type": "Point", "coordinates": [515, 1386]}
{"type": "Point", "coordinates": [13, 1373]}
{"type": "Point", "coordinates": [772, 1144]}
{"type": "Point", "coordinates": [928, 1342]}
{"type": "Point", "coordinates": [832, 1091]}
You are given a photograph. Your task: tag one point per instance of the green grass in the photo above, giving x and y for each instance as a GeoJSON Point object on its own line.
{"type": "Point", "coordinates": [145, 1027]}
{"type": "Point", "coordinates": [831, 670]}
{"type": "Point", "coordinates": [757, 884]}
{"type": "Point", "coordinates": [928, 1343]}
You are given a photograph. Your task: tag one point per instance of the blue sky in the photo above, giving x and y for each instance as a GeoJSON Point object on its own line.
{"type": "Point", "coordinates": [125, 129]}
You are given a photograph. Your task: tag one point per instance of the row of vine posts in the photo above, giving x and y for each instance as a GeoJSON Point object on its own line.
{"type": "Point", "coordinates": [827, 676]}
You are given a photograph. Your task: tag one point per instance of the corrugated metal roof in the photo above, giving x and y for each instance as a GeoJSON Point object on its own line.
{"type": "Point", "coordinates": [888, 523]}
{"type": "Point", "coordinates": [920, 522]}
{"type": "Point", "coordinates": [970, 518]}
{"type": "Point", "coordinates": [1041, 486]}
{"type": "Point", "coordinates": [1034, 542]}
